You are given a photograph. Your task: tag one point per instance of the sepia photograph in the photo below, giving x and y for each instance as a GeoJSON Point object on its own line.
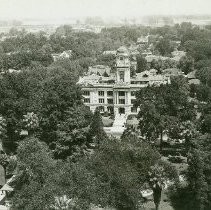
{"type": "Point", "coordinates": [105, 104]}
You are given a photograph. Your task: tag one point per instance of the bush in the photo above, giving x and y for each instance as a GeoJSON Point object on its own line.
{"type": "Point", "coordinates": [176, 159]}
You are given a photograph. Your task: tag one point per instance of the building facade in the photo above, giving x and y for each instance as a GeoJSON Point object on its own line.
{"type": "Point", "coordinates": [64, 55]}
{"type": "Point", "coordinates": [116, 92]}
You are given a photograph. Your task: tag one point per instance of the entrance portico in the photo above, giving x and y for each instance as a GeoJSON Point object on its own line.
{"type": "Point", "coordinates": [121, 110]}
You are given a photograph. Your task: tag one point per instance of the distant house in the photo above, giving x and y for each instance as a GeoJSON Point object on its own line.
{"type": "Point", "coordinates": [176, 44]}
{"type": "Point", "coordinates": [194, 81]}
{"type": "Point", "coordinates": [192, 78]}
{"type": "Point", "coordinates": [133, 50]}
{"type": "Point", "coordinates": [150, 58]}
{"type": "Point", "coordinates": [146, 53]}
{"type": "Point", "coordinates": [109, 52]}
{"type": "Point", "coordinates": [172, 72]}
{"type": "Point", "coordinates": [191, 75]}
{"type": "Point", "coordinates": [11, 71]}
{"type": "Point", "coordinates": [177, 55]}
{"type": "Point", "coordinates": [63, 55]}
{"type": "Point", "coordinates": [17, 52]}
{"type": "Point", "coordinates": [143, 40]}
{"type": "Point", "coordinates": [14, 71]}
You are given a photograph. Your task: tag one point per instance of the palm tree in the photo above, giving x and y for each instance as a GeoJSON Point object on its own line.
{"type": "Point", "coordinates": [64, 203]}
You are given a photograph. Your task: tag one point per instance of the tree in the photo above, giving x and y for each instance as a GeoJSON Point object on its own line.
{"type": "Point", "coordinates": [141, 64]}
{"type": "Point", "coordinates": [108, 60]}
{"type": "Point", "coordinates": [186, 64]}
{"type": "Point", "coordinates": [163, 108]}
{"type": "Point", "coordinates": [60, 94]}
{"type": "Point", "coordinates": [72, 135]}
{"type": "Point", "coordinates": [204, 75]}
{"type": "Point", "coordinates": [30, 122]}
{"type": "Point", "coordinates": [159, 174]}
{"type": "Point", "coordinates": [156, 64]}
{"type": "Point", "coordinates": [199, 172]}
{"type": "Point", "coordinates": [164, 47]}
{"type": "Point", "coordinates": [123, 183]}
{"type": "Point", "coordinates": [35, 165]}
{"type": "Point", "coordinates": [97, 132]}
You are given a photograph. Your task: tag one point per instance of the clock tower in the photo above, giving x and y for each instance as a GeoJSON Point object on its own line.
{"type": "Point", "coordinates": [122, 66]}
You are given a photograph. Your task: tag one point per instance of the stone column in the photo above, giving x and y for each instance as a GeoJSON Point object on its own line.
{"type": "Point", "coordinates": [105, 97]}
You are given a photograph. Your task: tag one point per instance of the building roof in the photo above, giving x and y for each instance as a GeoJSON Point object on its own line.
{"type": "Point", "coordinates": [94, 79]}
{"type": "Point", "coordinates": [153, 71]}
{"type": "Point", "coordinates": [194, 81]}
{"type": "Point", "coordinates": [110, 52]}
{"type": "Point", "coordinates": [143, 39]}
{"type": "Point", "coordinates": [191, 75]}
{"type": "Point", "coordinates": [178, 53]}
{"type": "Point", "coordinates": [100, 70]}
{"type": "Point", "coordinates": [150, 75]}
{"type": "Point", "coordinates": [68, 52]}
{"type": "Point", "coordinates": [172, 72]}
{"type": "Point", "coordinates": [146, 53]}
{"type": "Point", "coordinates": [150, 58]}
{"type": "Point", "coordinates": [122, 50]}
{"type": "Point", "coordinates": [2, 176]}
{"type": "Point", "coordinates": [7, 187]}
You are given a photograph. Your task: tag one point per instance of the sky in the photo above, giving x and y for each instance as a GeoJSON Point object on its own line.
{"type": "Point", "coordinates": [58, 9]}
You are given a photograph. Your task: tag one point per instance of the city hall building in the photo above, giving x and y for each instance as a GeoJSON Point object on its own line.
{"type": "Point", "coordinates": [114, 92]}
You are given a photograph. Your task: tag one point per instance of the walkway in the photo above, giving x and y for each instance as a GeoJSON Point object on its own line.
{"type": "Point", "coordinates": [118, 126]}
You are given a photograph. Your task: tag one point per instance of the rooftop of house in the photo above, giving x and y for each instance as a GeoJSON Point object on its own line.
{"type": "Point", "coordinates": [94, 79]}
{"type": "Point", "coordinates": [143, 39]}
{"type": "Point", "coordinates": [110, 52]}
{"type": "Point", "coordinates": [147, 52]}
{"type": "Point", "coordinates": [123, 50]}
{"type": "Point", "coordinates": [150, 75]}
{"type": "Point", "coordinates": [69, 52]}
{"type": "Point", "coordinates": [178, 53]}
{"type": "Point", "coordinates": [172, 72]}
{"type": "Point", "coordinates": [11, 71]}
{"type": "Point", "coordinates": [191, 75]}
{"type": "Point", "coordinates": [194, 81]}
{"type": "Point", "coordinates": [66, 52]}
{"type": "Point", "coordinates": [150, 58]}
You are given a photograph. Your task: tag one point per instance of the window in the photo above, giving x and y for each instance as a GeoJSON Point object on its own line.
{"type": "Point", "coordinates": [133, 101]}
{"type": "Point", "coordinates": [101, 101]}
{"type": "Point", "coordinates": [110, 101]}
{"type": "Point", "coordinates": [110, 93]}
{"type": "Point", "coordinates": [133, 109]}
{"type": "Point", "coordinates": [121, 75]}
{"type": "Point", "coordinates": [121, 58]}
{"type": "Point", "coordinates": [101, 109]}
{"type": "Point", "coordinates": [145, 75]}
{"type": "Point", "coordinates": [101, 93]}
{"type": "Point", "coordinates": [110, 109]}
{"type": "Point", "coordinates": [121, 101]}
{"type": "Point", "coordinates": [86, 93]}
{"type": "Point", "coordinates": [121, 93]}
{"type": "Point", "coordinates": [86, 100]}
{"type": "Point", "coordinates": [143, 82]}
{"type": "Point", "coordinates": [133, 93]}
